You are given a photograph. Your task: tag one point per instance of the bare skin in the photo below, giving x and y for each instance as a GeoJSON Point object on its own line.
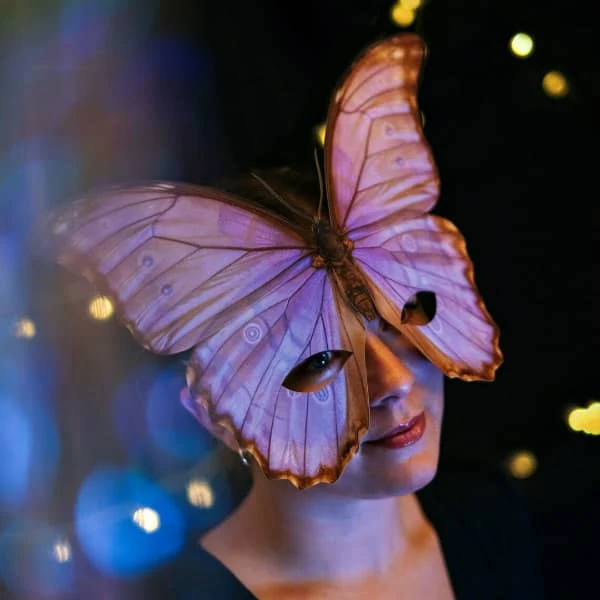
{"type": "Point", "coordinates": [364, 536]}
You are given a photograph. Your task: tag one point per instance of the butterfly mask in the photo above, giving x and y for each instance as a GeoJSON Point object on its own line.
{"type": "Point", "coordinates": [274, 308]}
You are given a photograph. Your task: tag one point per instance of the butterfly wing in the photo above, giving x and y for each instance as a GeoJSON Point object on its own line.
{"type": "Point", "coordinates": [191, 266]}
{"type": "Point", "coordinates": [236, 377]}
{"type": "Point", "coordinates": [174, 259]}
{"type": "Point", "coordinates": [382, 181]}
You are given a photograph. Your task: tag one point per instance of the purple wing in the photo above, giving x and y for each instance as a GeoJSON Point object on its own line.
{"type": "Point", "coordinates": [306, 438]}
{"type": "Point", "coordinates": [175, 259]}
{"type": "Point", "coordinates": [429, 254]}
{"type": "Point", "coordinates": [378, 163]}
{"type": "Point", "coordinates": [383, 181]}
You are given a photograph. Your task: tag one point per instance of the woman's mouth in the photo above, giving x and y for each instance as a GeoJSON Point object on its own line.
{"type": "Point", "coordinates": [404, 435]}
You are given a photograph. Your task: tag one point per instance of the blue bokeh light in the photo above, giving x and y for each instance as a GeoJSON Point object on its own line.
{"type": "Point", "coordinates": [108, 534]}
{"type": "Point", "coordinates": [150, 421]}
{"type": "Point", "coordinates": [36, 559]}
{"type": "Point", "coordinates": [29, 446]}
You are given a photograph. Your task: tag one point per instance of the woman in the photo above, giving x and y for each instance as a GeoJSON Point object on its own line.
{"type": "Point", "coordinates": [320, 342]}
{"type": "Point", "coordinates": [376, 533]}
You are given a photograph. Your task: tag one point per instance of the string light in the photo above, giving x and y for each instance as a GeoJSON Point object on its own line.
{"type": "Point", "coordinates": [555, 84]}
{"type": "Point", "coordinates": [147, 519]}
{"type": "Point", "coordinates": [25, 328]}
{"type": "Point", "coordinates": [100, 308]}
{"type": "Point", "coordinates": [521, 45]}
{"type": "Point", "coordinates": [522, 464]}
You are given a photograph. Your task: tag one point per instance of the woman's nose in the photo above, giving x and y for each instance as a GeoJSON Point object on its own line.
{"type": "Point", "coordinates": [388, 377]}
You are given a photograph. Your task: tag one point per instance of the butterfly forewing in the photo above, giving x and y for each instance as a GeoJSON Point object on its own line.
{"type": "Point", "coordinates": [176, 264]}
{"type": "Point", "coordinates": [376, 160]}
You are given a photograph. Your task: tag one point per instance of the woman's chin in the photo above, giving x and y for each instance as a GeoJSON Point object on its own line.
{"type": "Point", "coordinates": [384, 479]}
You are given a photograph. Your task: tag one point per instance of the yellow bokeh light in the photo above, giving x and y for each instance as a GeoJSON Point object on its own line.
{"type": "Point", "coordinates": [521, 45]}
{"type": "Point", "coordinates": [522, 464]}
{"type": "Point", "coordinates": [62, 551]}
{"type": "Point", "coordinates": [25, 328]}
{"type": "Point", "coordinates": [412, 4]}
{"type": "Point", "coordinates": [199, 493]}
{"type": "Point", "coordinates": [146, 519]}
{"type": "Point", "coordinates": [586, 420]}
{"type": "Point", "coordinates": [101, 308]}
{"type": "Point", "coordinates": [401, 15]}
{"type": "Point", "coordinates": [555, 84]}
{"type": "Point", "coordinates": [320, 133]}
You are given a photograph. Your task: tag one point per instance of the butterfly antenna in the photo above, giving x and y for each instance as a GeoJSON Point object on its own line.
{"type": "Point", "coordinates": [320, 176]}
{"type": "Point", "coordinates": [278, 196]}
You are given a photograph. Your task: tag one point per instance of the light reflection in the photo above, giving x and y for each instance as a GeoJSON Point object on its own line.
{"type": "Point", "coordinates": [555, 84]}
{"type": "Point", "coordinates": [101, 308]}
{"type": "Point", "coordinates": [586, 420]}
{"type": "Point", "coordinates": [146, 519]}
{"type": "Point", "coordinates": [199, 493]}
{"type": "Point", "coordinates": [522, 464]}
{"type": "Point", "coordinates": [62, 551]}
{"type": "Point", "coordinates": [25, 328]}
{"type": "Point", "coordinates": [521, 45]}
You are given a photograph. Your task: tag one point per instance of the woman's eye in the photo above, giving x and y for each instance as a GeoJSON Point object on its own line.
{"type": "Point", "coordinates": [316, 371]}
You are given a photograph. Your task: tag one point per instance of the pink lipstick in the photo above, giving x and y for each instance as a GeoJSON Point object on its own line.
{"type": "Point", "coordinates": [405, 435]}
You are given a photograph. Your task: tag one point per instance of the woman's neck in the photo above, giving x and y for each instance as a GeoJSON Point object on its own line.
{"type": "Point", "coordinates": [316, 534]}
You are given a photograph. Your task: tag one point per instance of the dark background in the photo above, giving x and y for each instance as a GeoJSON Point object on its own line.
{"type": "Point", "coordinates": [107, 92]}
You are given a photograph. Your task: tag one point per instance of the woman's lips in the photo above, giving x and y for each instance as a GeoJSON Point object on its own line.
{"type": "Point", "coordinates": [404, 435]}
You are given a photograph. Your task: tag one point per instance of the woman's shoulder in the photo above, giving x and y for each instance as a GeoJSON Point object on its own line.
{"type": "Point", "coordinates": [485, 527]}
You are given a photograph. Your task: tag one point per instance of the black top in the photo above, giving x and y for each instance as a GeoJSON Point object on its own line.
{"type": "Point", "coordinates": [481, 520]}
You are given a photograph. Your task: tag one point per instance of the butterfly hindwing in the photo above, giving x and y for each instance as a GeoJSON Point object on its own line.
{"type": "Point", "coordinates": [306, 438]}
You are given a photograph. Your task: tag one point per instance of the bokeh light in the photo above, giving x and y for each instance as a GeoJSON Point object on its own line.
{"type": "Point", "coordinates": [586, 420]}
{"type": "Point", "coordinates": [555, 84]}
{"type": "Point", "coordinates": [199, 493]}
{"type": "Point", "coordinates": [320, 133]}
{"type": "Point", "coordinates": [29, 562]}
{"type": "Point", "coordinates": [101, 308]}
{"type": "Point", "coordinates": [522, 464]}
{"type": "Point", "coordinates": [116, 510]}
{"type": "Point", "coordinates": [62, 551]}
{"type": "Point", "coordinates": [521, 45]}
{"type": "Point", "coordinates": [25, 328]}
{"type": "Point", "coordinates": [29, 447]}
{"type": "Point", "coordinates": [147, 519]}
{"type": "Point", "coordinates": [402, 15]}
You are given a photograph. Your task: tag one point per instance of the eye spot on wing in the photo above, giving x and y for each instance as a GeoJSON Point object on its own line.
{"type": "Point", "coordinates": [253, 333]}
{"type": "Point", "coordinates": [399, 161]}
{"type": "Point", "coordinates": [436, 325]}
{"type": "Point", "coordinates": [146, 260]}
{"type": "Point", "coordinates": [322, 395]}
{"type": "Point", "coordinates": [166, 289]}
{"type": "Point", "coordinates": [397, 53]}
